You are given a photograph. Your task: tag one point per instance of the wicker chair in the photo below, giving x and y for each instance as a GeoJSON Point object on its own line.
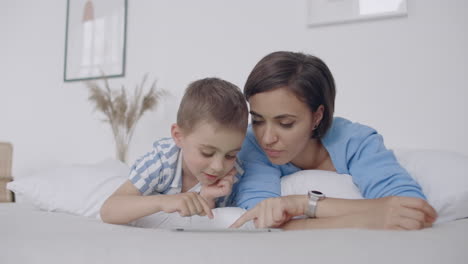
{"type": "Point", "coordinates": [6, 151]}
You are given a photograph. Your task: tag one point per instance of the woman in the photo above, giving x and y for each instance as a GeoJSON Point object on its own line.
{"type": "Point", "coordinates": [291, 97]}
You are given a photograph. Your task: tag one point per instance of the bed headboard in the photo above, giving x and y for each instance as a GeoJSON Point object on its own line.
{"type": "Point", "coordinates": [6, 153]}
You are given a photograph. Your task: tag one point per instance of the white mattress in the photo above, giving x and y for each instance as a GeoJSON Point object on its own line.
{"type": "Point", "coordinates": [31, 236]}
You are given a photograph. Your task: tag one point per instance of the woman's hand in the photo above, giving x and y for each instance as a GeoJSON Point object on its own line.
{"type": "Point", "coordinates": [274, 212]}
{"type": "Point", "coordinates": [394, 212]}
{"type": "Point", "coordinates": [186, 204]}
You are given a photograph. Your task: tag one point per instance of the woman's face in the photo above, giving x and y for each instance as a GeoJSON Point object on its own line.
{"type": "Point", "coordinates": [282, 124]}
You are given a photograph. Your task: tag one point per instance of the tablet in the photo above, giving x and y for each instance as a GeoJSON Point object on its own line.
{"type": "Point", "coordinates": [226, 230]}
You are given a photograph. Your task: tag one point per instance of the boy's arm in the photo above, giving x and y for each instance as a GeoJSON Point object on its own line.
{"type": "Point", "coordinates": [127, 204]}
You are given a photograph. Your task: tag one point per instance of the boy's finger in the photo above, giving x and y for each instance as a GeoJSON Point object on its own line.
{"type": "Point", "coordinates": [206, 208]}
{"type": "Point", "coordinates": [249, 215]}
{"type": "Point", "coordinates": [230, 179]}
{"type": "Point", "coordinates": [232, 172]}
{"type": "Point", "coordinates": [198, 206]}
{"type": "Point", "coordinates": [191, 207]}
{"type": "Point", "coordinates": [225, 183]}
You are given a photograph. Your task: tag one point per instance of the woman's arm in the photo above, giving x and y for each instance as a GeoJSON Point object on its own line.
{"type": "Point", "coordinates": [261, 180]}
{"type": "Point", "coordinates": [398, 213]}
{"type": "Point", "coordinates": [383, 213]}
{"type": "Point", "coordinates": [359, 151]}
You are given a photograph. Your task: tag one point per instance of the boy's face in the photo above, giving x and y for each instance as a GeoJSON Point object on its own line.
{"type": "Point", "coordinates": [209, 150]}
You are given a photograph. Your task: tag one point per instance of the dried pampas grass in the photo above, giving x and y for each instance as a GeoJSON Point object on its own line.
{"type": "Point", "coordinates": [122, 111]}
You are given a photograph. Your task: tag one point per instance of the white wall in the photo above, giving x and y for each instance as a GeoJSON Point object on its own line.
{"type": "Point", "coordinates": [407, 77]}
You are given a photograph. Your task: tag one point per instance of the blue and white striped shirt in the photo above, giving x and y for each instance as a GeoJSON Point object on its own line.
{"type": "Point", "coordinates": [160, 172]}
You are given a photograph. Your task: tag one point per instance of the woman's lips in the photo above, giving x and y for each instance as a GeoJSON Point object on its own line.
{"type": "Point", "coordinates": [272, 153]}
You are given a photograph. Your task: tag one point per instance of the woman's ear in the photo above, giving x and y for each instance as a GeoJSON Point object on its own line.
{"type": "Point", "coordinates": [177, 134]}
{"type": "Point", "coordinates": [318, 116]}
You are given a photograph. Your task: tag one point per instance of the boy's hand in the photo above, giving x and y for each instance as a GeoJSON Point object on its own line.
{"type": "Point", "coordinates": [222, 187]}
{"type": "Point", "coordinates": [186, 204]}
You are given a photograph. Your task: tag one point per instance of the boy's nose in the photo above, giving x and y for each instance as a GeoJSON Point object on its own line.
{"type": "Point", "coordinates": [217, 165]}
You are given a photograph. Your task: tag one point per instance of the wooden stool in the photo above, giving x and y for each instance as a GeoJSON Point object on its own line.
{"type": "Point", "coordinates": [6, 151]}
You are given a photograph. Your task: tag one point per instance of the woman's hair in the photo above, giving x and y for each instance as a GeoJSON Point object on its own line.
{"type": "Point", "coordinates": [213, 99]}
{"type": "Point", "coordinates": [308, 77]}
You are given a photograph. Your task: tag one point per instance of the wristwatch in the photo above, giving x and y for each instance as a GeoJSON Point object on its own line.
{"type": "Point", "coordinates": [314, 198]}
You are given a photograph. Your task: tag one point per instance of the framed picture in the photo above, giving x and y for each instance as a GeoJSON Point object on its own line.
{"type": "Point", "coordinates": [95, 39]}
{"type": "Point", "coordinates": [326, 12]}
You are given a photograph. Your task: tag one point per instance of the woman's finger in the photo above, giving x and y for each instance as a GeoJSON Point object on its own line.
{"type": "Point", "coordinates": [278, 216]}
{"type": "Point", "coordinates": [410, 224]}
{"type": "Point", "coordinates": [421, 205]}
{"type": "Point", "coordinates": [247, 216]}
{"type": "Point", "coordinates": [411, 213]}
{"type": "Point", "coordinates": [263, 215]}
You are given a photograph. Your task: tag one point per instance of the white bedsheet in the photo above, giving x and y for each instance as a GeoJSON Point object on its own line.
{"type": "Point", "coordinates": [31, 236]}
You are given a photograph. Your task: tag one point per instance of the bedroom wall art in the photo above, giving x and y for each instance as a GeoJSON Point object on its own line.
{"type": "Point", "coordinates": [95, 39]}
{"type": "Point", "coordinates": [327, 12]}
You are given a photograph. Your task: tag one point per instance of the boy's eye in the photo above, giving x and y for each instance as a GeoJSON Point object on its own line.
{"type": "Point", "coordinates": [207, 155]}
{"type": "Point", "coordinates": [230, 157]}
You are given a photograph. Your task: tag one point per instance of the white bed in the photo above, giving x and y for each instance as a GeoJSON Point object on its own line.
{"type": "Point", "coordinates": [56, 221]}
{"type": "Point", "coordinates": [32, 236]}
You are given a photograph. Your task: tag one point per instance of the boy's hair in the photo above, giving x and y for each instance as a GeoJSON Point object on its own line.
{"type": "Point", "coordinates": [213, 99]}
{"type": "Point", "coordinates": [307, 76]}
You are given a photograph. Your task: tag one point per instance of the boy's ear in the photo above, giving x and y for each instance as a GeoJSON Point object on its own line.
{"type": "Point", "coordinates": [177, 134]}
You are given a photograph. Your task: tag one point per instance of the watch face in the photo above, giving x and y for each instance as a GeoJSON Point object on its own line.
{"type": "Point", "coordinates": [316, 192]}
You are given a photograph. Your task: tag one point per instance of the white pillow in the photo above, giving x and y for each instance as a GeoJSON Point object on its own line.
{"type": "Point", "coordinates": [331, 183]}
{"type": "Point", "coordinates": [443, 176]}
{"type": "Point", "coordinates": [75, 189]}
{"type": "Point", "coordinates": [82, 189]}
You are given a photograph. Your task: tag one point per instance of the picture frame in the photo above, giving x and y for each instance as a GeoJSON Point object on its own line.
{"type": "Point", "coordinates": [328, 12]}
{"type": "Point", "coordinates": [95, 39]}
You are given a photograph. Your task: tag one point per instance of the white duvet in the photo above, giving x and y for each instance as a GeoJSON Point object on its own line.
{"type": "Point", "coordinates": [28, 235]}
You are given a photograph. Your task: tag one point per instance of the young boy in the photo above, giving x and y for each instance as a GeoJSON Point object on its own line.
{"type": "Point", "coordinates": [193, 171]}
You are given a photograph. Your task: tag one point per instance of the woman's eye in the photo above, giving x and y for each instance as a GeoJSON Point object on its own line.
{"type": "Point", "coordinates": [287, 125]}
{"type": "Point", "coordinates": [207, 155]}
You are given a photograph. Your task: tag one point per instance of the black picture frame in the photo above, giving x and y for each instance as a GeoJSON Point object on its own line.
{"type": "Point", "coordinates": [95, 39]}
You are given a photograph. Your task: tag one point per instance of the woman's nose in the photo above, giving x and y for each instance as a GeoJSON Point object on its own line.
{"type": "Point", "coordinates": [269, 136]}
